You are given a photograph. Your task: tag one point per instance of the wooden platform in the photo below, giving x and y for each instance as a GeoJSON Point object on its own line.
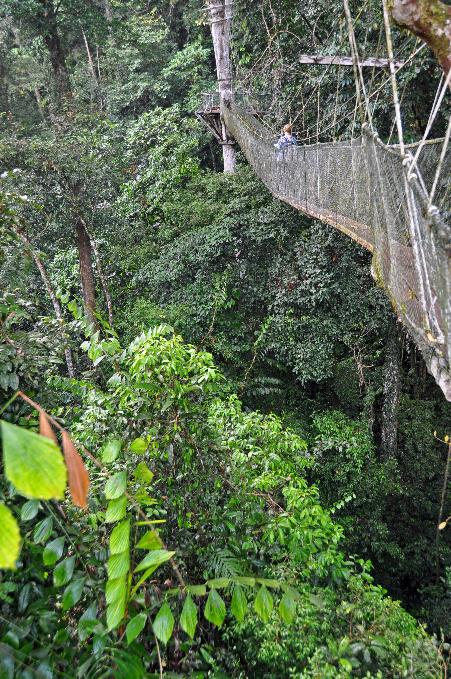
{"type": "Point", "coordinates": [211, 118]}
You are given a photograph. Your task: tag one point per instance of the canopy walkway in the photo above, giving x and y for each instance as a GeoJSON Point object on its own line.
{"type": "Point", "coordinates": [371, 193]}
{"type": "Point", "coordinates": [391, 199]}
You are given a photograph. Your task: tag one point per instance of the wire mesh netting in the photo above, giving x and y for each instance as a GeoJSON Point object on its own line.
{"type": "Point", "coordinates": [373, 194]}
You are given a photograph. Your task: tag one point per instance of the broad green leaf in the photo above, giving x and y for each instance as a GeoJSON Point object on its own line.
{"type": "Point", "coordinates": [197, 590]}
{"type": "Point", "coordinates": [9, 539]}
{"type": "Point", "coordinates": [43, 530]}
{"type": "Point", "coordinates": [317, 601]}
{"type": "Point", "coordinates": [116, 510]}
{"type": "Point", "coordinates": [33, 463]}
{"type": "Point", "coordinates": [115, 613]}
{"type": "Point", "coordinates": [293, 593]}
{"type": "Point", "coordinates": [218, 583]}
{"type": "Point", "coordinates": [135, 627]}
{"type": "Point", "coordinates": [263, 604]}
{"type": "Point", "coordinates": [239, 603]}
{"type": "Point", "coordinates": [120, 538]}
{"type": "Point", "coordinates": [243, 580]}
{"type": "Point", "coordinates": [111, 451]}
{"type": "Point", "coordinates": [215, 609]}
{"type": "Point", "coordinates": [24, 597]}
{"type": "Point", "coordinates": [188, 617]}
{"type": "Point", "coordinates": [115, 589]}
{"type": "Point", "coordinates": [115, 486]}
{"type": "Point", "coordinates": [142, 579]}
{"type": "Point", "coordinates": [154, 558]}
{"type": "Point", "coordinates": [149, 541]}
{"type": "Point", "coordinates": [72, 593]}
{"type": "Point", "coordinates": [44, 671]}
{"type": "Point", "coordinates": [274, 584]}
{"type": "Point", "coordinates": [163, 623]}
{"type": "Point", "coordinates": [138, 446]}
{"type": "Point", "coordinates": [11, 639]}
{"type": "Point", "coordinates": [287, 608]}
{"type": "Point", "coordinates": [143, 473]}
{"type": "Point", "coordinates": [118, 565]}
{"type": "Point", "coordinates": [61, 636]}
{"type": "Point", "coordinates": [88, 622]}
{"type": "Point", "coordinates": [53, 551]}
{"type": "Point", "coordinates": [29, 510]}
{"type": "Point", "coordinates": [63, 571]}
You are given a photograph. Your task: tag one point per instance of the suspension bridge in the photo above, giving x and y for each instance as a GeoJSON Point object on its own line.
{"type": "Point", "coordinates": [389, 198]}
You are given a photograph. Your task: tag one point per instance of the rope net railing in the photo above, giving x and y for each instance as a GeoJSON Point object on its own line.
{"type": "Point", "coordinates": [379, 198]}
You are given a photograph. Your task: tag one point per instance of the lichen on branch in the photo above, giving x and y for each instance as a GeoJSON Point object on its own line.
{"type": "Point", "coordinates": [430, 20]}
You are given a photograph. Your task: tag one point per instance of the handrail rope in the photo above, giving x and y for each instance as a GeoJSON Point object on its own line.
{"type": "Point", "coordinates": [440, 163]}
{"type": "Point", "coordinates": [358, 66]}
{"type": "Point", "coordinates": [404, 90]}
{"type": "Point", "coordinates": [416, 240]}
{"type": "Point", "coordinates": [358, 105]}
{"type": "Point", "coordinates": [393, 76]}
{"type": "Point", "coordinates": [434, 111]}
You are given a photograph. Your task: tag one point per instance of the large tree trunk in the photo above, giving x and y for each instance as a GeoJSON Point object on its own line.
{"type": "Point", "coordinates": [392, 390]}
{"type": "Point", "coordinates": [220, 18]}
{"type": "Point", "coordinates": [56, 52]}
{"type": "Point", "coordinates": [86, 269]}
{"type": "Point", "coordinates": [430, 20]}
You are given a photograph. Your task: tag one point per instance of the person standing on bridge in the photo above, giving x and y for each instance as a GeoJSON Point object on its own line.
{"type": "Point", "coordinates": [286, 139]}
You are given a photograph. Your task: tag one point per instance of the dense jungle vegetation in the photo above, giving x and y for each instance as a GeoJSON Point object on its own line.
{"type": "Point", "coordinates": [266, 450]}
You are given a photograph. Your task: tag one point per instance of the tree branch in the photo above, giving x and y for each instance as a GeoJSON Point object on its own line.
{"type": "Point", "coordinates": [430, 20]}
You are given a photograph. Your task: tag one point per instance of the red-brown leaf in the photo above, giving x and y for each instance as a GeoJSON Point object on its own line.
{"type": "Point", "coordinates": [77, 473]}
{"type": "Point", "coordinates": [45, 428]}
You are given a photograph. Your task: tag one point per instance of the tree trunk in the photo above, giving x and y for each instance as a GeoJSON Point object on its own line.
{"type": "Point", "coordinates": [103, 283]}
{"type": "Point", "coordinates": [57, 55]}
{"type": "Point", "coordinates": [220, 18]}
{"type": "Point", "coordinates": [86, 270]}
{"type": "Point", "coordinates": [392, 389]}
{"type": "Point", "coordinates": [90, 59]}
{"type": "Point", "coordinates": [37, 96]}
{"type": "Point", "coordinates": [430, 20]}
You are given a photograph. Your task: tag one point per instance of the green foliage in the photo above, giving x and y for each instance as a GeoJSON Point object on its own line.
{"type": "Point", "coordinates": [33, 463]}
{"type": "Point", "coordinates": [217, 528]}
{"type": "Point", "coordinates": [346, 631]}
{"type": "Point", "coordinates": [35, 467]}
{"type": "Point", "coordinates": [275, 537]}
{"type": "Point", "coordinates": [9, 539]}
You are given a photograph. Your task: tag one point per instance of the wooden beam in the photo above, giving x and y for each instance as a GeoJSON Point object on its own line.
{"type": "Point", "coordinates": [374, 62]}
